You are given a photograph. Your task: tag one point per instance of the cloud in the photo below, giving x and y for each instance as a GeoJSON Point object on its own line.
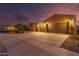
{"type": "Point", "coordinates": [38, 12]}
{"type": "Point", "coordinates": [60, 9]}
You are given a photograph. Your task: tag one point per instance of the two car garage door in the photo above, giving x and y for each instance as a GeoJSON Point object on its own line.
{"type": "Point", "coordinates": [58, 27]}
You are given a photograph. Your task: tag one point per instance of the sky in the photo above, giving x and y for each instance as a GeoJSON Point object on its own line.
{"type": "Point", "coordinates": [32, 12]}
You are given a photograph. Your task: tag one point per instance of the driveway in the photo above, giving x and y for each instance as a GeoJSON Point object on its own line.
{"type": "Point", "coordinates": [35, 44]}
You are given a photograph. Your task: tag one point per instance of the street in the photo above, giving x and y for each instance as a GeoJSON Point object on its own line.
{"type": "Point", "coordinates": [35, 44]}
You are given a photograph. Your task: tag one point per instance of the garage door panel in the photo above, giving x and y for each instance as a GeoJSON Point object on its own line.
{"type": "Point", "coordinates": [58, 28]}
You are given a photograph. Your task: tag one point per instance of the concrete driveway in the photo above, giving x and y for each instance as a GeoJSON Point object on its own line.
{"type": "Point", "coordinates": [35, 44]}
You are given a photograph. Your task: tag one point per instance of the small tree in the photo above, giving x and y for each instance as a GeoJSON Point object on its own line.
{"type": "Point", "coordinates": [20, 26]}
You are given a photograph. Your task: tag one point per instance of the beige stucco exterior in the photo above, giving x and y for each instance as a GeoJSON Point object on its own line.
{"type": "Point", "coordinates": [58, 23]}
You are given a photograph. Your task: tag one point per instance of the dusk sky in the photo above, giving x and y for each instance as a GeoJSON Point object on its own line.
{"type": "Point", "coordinates": [35, 12]}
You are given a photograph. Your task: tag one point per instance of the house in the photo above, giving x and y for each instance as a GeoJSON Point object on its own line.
{"type": "Point", "coordinates": [10, 28]}
{"type": "Point", "coordinates": [58, 23]}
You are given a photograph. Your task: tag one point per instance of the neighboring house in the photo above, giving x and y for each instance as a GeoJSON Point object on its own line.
{"type": "Point", "coordinates": [58, 23]}
{"type": "Point", "coordinates": [10, 28]}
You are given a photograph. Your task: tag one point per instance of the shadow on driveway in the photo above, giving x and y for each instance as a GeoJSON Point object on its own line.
{"type": "Point", "coordinates": [72, 43]}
